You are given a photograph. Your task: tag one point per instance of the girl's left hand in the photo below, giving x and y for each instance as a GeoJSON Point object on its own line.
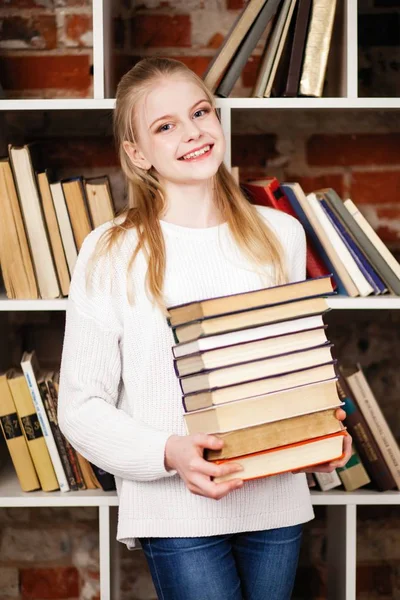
{"type": "Point", "coordinates": [328, 467]}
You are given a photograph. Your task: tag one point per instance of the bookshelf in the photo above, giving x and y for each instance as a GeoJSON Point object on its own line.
{"type": "Point", "coordinates": [341, 506]}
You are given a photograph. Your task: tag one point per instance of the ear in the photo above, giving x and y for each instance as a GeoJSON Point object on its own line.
{"type": "Point", "coordinates": [136, 156]}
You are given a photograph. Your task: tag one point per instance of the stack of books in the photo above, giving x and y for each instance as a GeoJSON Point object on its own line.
{"type": "Point", "coordinates": [298, 38]}
{"type": "Point", "coordinates": [42, 457]}
{"type": "Point", "coordinates": [256, 369]}
{"type": "Point", "coordinates": [44, 223]}
{"type": "Point", "coordinates": [339, 238]}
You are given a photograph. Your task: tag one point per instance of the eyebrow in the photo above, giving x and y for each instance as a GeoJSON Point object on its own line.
{"type": "Point", "coordinates": [170, 116]}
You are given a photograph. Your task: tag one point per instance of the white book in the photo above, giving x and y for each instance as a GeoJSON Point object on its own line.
{"type": "Point", "coordinates": [64, 224]}
{"type": "Point", "coordinates": [247, 335]}
{"type": "Point", "coordinates": [373, 237]}
{"type": "Point", "coordinates": [30, 369]}
{"type": "Point", "coordinates": [328, 481]}
{"type": "Point", "coordinates": [363, 286]}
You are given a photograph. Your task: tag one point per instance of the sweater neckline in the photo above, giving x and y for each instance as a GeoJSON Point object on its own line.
{"type": "Point", "coordinates": [205, 233]}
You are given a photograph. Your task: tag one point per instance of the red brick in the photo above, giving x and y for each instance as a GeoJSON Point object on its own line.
{"type": "Point", "coordinates": [392, 214]}
{"type": "Point", "coordinates": [58, 583]}
{"type": "Point", "coordinates": [215, 41]}
{"type": "Point", "coordinates": [76, 27]}
{"type": "Point", "coordinates": [251, 150]}
{"type": "Point", "coordinates": [38, 31]}
{"type": "Point", "coordinates": [376, 578]}
{"type": "Point", "coordinates": [69, 72]}
{"type": "Point", "coordinates": [250, 70]}
{"type": "Point", "coordinates": [235, 4]}
{"type": "Point", "coordinates": [26, 4]}
{"type": "Point", "coordinates": [316, 182]}
{"type": "Point", "coordinates": [354, 149]}
{"type": "Point", "coordinates": [198, 64]}
{"type": "Point", "coordinates": [161, 31]}
{"type": "Point", "coordinates": [375, 187]}
{"type": "Point", "coordinates": [80, 152]}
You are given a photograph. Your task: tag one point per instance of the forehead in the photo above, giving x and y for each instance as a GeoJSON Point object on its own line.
{"type": "Point", "coordinates": [169, 95]}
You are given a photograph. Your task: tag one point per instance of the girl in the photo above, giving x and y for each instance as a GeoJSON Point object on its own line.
{"type": "Point", "coordinates": [187, 233]}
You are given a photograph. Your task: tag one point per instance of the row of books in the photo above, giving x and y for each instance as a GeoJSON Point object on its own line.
{"type": "Point", "coordinates": [43, 458]}
{"type": "Point", "coordinates": [339, 238]}
{"type": "Point", "coordinates": [257, 370]}
{"type": "Point", "coordinates": [298, 39]}
{"type": "Point", "coordinates": [44, 223]}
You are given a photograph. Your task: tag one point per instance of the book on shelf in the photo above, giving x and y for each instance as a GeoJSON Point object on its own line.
{"type": "Point", "coordinates": [327, 481]}
{"type": "Point", "coordinates": [75, 199]}
{"type": "Point", "coordinates": [99, 199]}
{"type": "Point", "coordinates": [64, 223]}
{"type": "Point", "coordinates": [302, 16]}
{"type": "Point", "coordinates": [33, 430]}
{"type": "Point", "coordinates": [353, 474]}
{"type": "Point", "coordinates": [268, 192]}
{"type": "Point", "coordinates": [374, 416]}
{"type": "Point", "coordinates": [16, 443]}
{"type": "Point", "coordinates": [363, 439]}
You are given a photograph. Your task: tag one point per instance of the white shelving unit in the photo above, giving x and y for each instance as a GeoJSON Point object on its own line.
{"type": "Point", "coordinates": [341, 506]}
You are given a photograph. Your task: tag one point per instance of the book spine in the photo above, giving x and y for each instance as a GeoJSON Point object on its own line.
{"type": "Point", "coordinates": [299, 41]}
{"type": "Point", "coordinates": [327, 481]}
{"type": "Point", "coordinates": [45, 425]}
{"type": "Point", "coordinates": [377, 423]}
{"type": "Point", "coordinates": [353, 475]}
{"type": "Point", "coordinates": [368, 449]}
{"type": "Point", "coordinates": [105, 479]}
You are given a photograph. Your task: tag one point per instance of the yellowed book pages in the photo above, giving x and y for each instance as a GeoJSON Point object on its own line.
{"type": "Point", "coordinates": [317, 48]}
{"type": "Point", "coordinates": [76, 204]}
{"type": "Point", "coordinates": [32, 431]}
{"type": "Point", "coordinates": [16, 442]}
{"type": "Point", "coordinates": [87, 472]}
{"type": "Point", "coordinates": [54, 233]}
{"type": "Point", "coordinates": [99, 199]}
{"type": "Point", "coordinates": [279, 433]}
{"type": "Point", "coordinates": [16, 261]}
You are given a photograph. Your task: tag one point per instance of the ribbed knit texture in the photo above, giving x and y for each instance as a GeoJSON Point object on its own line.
{"type": "Point", "coordinates": [119, 396]}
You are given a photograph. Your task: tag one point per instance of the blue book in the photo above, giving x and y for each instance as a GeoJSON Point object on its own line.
{"type": "Point", "coordinates": [367, 270]}
{"type": "Point", "coordinates": [310, 231]}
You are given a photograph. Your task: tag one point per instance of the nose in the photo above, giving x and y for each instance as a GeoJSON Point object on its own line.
{"type": "Point", "coordinates": [191, 131]}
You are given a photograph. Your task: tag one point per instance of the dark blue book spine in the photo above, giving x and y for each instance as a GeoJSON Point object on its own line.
{"type": "Point", "coordinates": [309, 229]}
{"type": "Point", "coordinates": [367, 270]}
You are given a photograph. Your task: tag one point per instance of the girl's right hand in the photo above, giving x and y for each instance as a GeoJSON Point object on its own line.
{"type": "Point", "coordinates": [184, 454]}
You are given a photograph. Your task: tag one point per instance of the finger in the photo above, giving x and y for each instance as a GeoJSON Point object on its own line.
{"type": "Point", "coordinates": [212, 469]}
{"type": "Point", "coordinates": [216, 491]}
{"type": "Point", "coordinates": [204, 440]}
{"type": "Point", "coordinates": [340, 414]}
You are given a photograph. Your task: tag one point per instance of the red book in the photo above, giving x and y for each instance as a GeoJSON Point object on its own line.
{"type": "Point", "coordinates": [267, 192]}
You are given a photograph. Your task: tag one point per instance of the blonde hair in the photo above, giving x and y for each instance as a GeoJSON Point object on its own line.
{"type": "Point", "coordinates": [146, 197]}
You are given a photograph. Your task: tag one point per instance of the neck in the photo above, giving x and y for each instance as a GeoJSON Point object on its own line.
{"type": "Point", "coordinates": [191, 205]}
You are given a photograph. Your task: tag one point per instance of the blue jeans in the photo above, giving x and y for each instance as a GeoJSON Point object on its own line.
{"type": "Point", "coordinates": [257, 565]}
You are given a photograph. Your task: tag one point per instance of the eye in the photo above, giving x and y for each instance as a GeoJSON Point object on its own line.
{"type": "Point", "coordinates": [163, 126]}
{"type": "Point", "coordinates": [202, 110]}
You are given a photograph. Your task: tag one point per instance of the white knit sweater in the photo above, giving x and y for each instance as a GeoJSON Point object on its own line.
{"type": "Point", "coordinates": [119, 396]}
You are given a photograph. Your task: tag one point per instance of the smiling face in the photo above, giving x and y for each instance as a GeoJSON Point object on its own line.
{"type": "Point", "coordinates": [178, 132]}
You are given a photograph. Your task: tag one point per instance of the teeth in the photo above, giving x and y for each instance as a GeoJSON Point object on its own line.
{"type": "Point", "coordinates": [197, 153]}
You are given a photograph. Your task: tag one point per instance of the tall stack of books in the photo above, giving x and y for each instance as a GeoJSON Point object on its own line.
{"type": "Point", "coordinates": [339, 238]}
{"type": "Point", "coordinates": [298, 37]}
{"type": "Point", "coordinates": [256, 369]}
{"type": "Point", "coordinates": [44, 222]}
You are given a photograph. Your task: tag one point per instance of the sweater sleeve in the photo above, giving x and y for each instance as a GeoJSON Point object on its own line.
{"type": "Point", "coordinates": [90, 382]}
{"type": "Point", "coordinates": [296, 253]}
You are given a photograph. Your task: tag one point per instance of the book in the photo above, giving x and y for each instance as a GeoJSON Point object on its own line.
{"type": "Point", "coordinates": [15, 440]}
{"type": "Point", "coordinates": [342, 252]}
{"type": "Point", "coordinates": [374, 257]}
{"type": "Point", "coordinates": [16, 261]}
{"type": "Point", "coordinates": [64, 223]}
{"type": "Point", "coordinates": [328, 481]}
{"type": "Point", "coordinates": [258, 387]}
{"type": "Point", "coordinates": [287, 458]}
{"type": "Point", "coordinates": [106, 480]}
{"type": "Point", "coordinates": [264, 367]}
{"type": "Point", "coordinates": [99, 200]}
{"type": "Point", "coordinates": [22, 159]}
{"type": "Point", "coordinates": [75, 199]}
{"type": "Point", "coordinates": [353, 475]}
{"type": "Point", "coordinates": [54, 232]}
{"type": "Point", "coordinates": [231, 43]}
{"type": "Point", "coordinates": [32, 429]}
{"type": "Point", "coordinates": [30, 368]}
{"type": "Point", "coordinates": [275, 434]}
{"type": "Point", "coordinates": [363, 439]}
{"type": "Point", "coordinates": [268, 192]}
{"type": "Point", "coordinates": [235, 303]}
{"type": "Point", "coordinates": [373, 237]}
{"type": "Point", "coordinates": [323, 244]}
{"type": "Point", "coordinates": [263, 409]}
{"type": "Point", "coordinates": [376, 420]}
{"type": "Point", "coordinates": [317, 48]}
{"type": "Point", "coordinates": [247, 46]}
{"type": "Point", "coordinates": [297, 49]}
{"type": "Point", "coordinates": [250, 318]}
{"type": "Point", "coordinates": [248, 351]}
{"type": "Point", "coordinates": [247, 335]}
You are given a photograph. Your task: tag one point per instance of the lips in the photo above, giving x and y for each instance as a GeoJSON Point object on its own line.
{"type": "Point", "coordinates": [195, 150]}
